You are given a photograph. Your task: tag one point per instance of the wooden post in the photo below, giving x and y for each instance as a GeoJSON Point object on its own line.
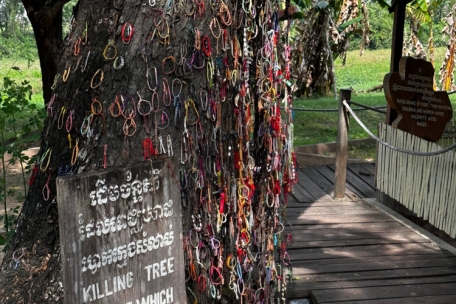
{"type": "Point", "coordinates": [341, 146]}
{"type": "Point", "coordinates": [398, 7]}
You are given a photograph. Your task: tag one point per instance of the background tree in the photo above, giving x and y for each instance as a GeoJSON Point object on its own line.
{"type": "Point", "coordinates": [46, 20]}
{"type": "Point", "coordinates": [321, 36]}
{"type": "Point", "coordinates": [12, 17]}
{"type": "Point", "coordinates": [197, 81]}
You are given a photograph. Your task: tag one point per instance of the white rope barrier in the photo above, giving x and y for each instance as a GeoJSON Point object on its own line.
{"type": "Point", "coordinates": [446, 149]}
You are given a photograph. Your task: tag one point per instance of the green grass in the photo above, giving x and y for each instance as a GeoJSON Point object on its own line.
{"type": "Point", "coordinates": [362, 72]}
{"type": "Point", "coordinates": [367, 71]}
{"type": "Point", "coordinates": [320, 127]}
{"type": "Point", "coordinates": [359, 73]}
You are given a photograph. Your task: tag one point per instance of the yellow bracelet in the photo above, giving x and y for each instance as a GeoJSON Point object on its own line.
{"type": "Point", "coordinates": [106, 49]}
{"type": "Point", "coordinates": [191, 103]}
{"type": "Point", "coordinates": [66, 73]}
{"type": "Point", "coordinates": [47, 155]}
{"type": "Point", "coordinates": [93, 77]}
{"type": "Point", "coordinates": [61, 118]}
{"type": "Point", "coordinates": [74, 154]}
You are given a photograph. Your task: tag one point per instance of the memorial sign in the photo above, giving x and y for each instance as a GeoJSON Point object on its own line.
{"type": "Point", "coordinates": [421, 110]}
{"type": "Point", "coordinates": [121, 236]}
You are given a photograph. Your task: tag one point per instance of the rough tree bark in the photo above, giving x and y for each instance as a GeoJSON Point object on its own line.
{"type": "Point", "coordinates": [46, 19]}
{"type": "Point", "coordinates": [202, 83]}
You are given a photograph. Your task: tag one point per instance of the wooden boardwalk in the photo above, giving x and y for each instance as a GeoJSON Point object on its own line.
{"type": "Point", "coordinates": [350, 252]}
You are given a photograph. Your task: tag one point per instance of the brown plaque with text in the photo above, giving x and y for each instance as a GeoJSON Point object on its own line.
{"type": "Point", "coordinates": [421, 110]}
{"type": "Point", "coordinates": [121, 236]}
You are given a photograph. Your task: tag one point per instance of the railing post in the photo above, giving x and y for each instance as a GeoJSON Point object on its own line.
{"type": "Point", "coordinates": [341, 146]}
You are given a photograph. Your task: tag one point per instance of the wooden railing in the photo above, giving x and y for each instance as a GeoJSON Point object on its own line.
{"type": "Point", "coordinates": [423, 184]}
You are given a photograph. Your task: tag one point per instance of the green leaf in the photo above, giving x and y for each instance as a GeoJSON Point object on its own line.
{"type": "Point", "coordinates": [421, 4]}
{"type": "Point", "coordinates": [17, 69]}
{"type": "Point", "coordinates": [348, 23]}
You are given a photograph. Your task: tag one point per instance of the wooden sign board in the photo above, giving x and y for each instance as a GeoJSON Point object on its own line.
{"type": "Point", "coordinates": [121, 236]}
{"type": "Point", "coordinates": [421, 110]}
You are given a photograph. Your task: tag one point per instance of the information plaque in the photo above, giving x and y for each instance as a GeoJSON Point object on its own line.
{"type": "Point", "coordinates": [121, 236]}
{"type": "Point", "coordinates": [421, 110]}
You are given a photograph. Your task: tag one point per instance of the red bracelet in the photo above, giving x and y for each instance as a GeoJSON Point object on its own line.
{"type": "Point", "coordinates": [215, 271]}
{"type": "Point", "coordinates": [202, 283]}
{"type": "Point", "coordinates": [206, 46]}
{"type": "Point", "coordinates": [127, 32]}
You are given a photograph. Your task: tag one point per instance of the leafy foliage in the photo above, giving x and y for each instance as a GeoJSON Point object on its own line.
{"type": "Point", "coordinates": [15, 98]}
{"type": "Point", "coordinates": [447, 69]}
{"type": "Point", "coordinates": [9, 220]}
{"type": "Point", "coordinates": [22, 46]}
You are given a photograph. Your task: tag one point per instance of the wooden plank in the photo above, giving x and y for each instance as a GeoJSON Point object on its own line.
{"type": "Point", "coordinates": [365, 188]}
{"type": "Point", "coordinates": [391, 292]}
{"type": "Point", "coordinates": [301, 194]}
{"type": "Point", "coordinates": [365, 251]}
{"type": "Point", "coordinates": [327, 203]}
{"type": "Point", "coordinates": [368, 167]}
{"type": "Point", "coordinates": [315, 190]}
{"type": "Point", "coordinates": [301, 260]}
{"type": "Point", "coordinates": [299, 269]}
{"type": "Point", "coordinates": [325, 184]}
{"type": "Point", "coordinates": [356, 210]}
{"type": "Point", "coordinates": [360, 185]}
{"type": "Point", "coordinates": [310, 234]}
{"type": "Point", "coordinates": [374, 274]}
{"type": "Point", "coordinates": [347, 235]}
{"type": "Point", "coordinates": [365, 175]}
{"type": "Point", "coordinates": [444, 299]}
{"type": "Point", "coordinates": [334, 218]}
{"type": "Point", "coordinates": [358, 242]}
{"type": "Point", "coordinates": [350, 191]}
{"type": "Point", "coordinates": [303, 289]}
{"type": "Point", "coordinates": [361, 227]}
{"type": "Point", "coordinates": [121, 235]}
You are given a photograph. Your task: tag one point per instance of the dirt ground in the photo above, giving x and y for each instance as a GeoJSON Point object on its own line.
{"type": "Point", "coordinates": [14, 181]}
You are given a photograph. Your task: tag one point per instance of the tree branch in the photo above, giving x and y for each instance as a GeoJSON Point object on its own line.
{"type": "Point", "coordinates": [42, 10]}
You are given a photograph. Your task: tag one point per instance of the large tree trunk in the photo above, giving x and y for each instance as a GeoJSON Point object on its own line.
{"type": "Point", "coordinates": [223, 125]}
